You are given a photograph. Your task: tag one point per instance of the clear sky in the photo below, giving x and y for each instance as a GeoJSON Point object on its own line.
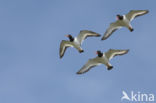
{"type": "Point", "coordinates": [30, 35]}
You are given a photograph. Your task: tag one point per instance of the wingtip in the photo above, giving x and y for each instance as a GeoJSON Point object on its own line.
{"type": "Point", "coordinates": [98, 35]}
{"type": "Point", "coordinates": [61, 57]}
{"type": "Point", "coordinates": [103, 38]}
{"type": "Point", "coordinates": [127, 50]}
{"type": "Point", "coordinates": [147, 11]}
{"type": "Point", "coordinates": [78, 73]}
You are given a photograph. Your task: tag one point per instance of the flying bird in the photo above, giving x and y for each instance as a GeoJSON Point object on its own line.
{"type": "Point", "coordinates": [77, 41]}
{"type": "Point", "coordinates": [123, 21]}
{"type": "Point", "coordinates": [102, 58]}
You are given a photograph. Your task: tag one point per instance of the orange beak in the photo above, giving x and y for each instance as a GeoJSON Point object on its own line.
{"type": "Point", "coordinates": [96, 52]}
{"type": "Point", "coordinates": [117, 17]}
{"type": "Point", "coordinates": [67, 35]}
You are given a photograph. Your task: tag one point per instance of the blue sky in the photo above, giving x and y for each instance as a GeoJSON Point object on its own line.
{"type": "Point", "coordinates": [30, 35]}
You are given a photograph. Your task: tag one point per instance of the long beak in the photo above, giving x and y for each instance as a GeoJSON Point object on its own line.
{"type": "Point", "coordinates": [96, 52]}
{"type": "Point", "coordinates": [67, 35]}
{"type": "Point", "coordinates": [117, 17]}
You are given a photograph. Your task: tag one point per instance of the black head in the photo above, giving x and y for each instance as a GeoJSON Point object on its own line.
{"type": "Point", "coordinates": [99, 53]}
{"type": "Point", "coordinates": [119, 17]}
{"type": "Point", "coordinates": [70, 37]}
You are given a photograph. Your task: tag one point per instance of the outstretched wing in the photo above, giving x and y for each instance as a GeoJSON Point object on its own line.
{"type": "Point", "coordinates": [86, 33]}
{"type": "Point", "coordinates": [112, 28]}
{"type": "Point", "coordinates": [112, 52]}
{"type": "Point", "coordinates": [63, 46]}
{"type": "Point", "coordinates": [90, 64]}
{"type": "Point", "coordinates": [135, 13]}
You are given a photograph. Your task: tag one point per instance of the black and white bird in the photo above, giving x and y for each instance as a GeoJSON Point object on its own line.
{"type": "Point", "coordinates": [77, 41]}
{"type": "Point", "coordinates": [102, 58]}
{"type": "Point", "coordinates": [123, 21]}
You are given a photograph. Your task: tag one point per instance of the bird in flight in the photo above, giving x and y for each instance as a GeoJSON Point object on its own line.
{"type": "Point", "coordinates": [102, 58]}
{"type": "Point", "coordinates": [77, 41]}
{"type": "Point", "coordinates": [123, 21]}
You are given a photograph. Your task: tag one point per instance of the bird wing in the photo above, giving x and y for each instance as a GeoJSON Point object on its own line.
{"type": "Point", "coordinates": [112, 28]}
{"type": "Point", "coordinates": [63, 46]}
{"type": "Point", "coordinates": [112, 52]}
{"type": "Point", "coordinates": [135, 13]}
{"type": "Point", "coordinates": [86, 33]}
{"type": "Point", "coordinates": [90, 64]}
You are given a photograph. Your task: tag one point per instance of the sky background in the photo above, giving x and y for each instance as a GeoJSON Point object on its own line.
{"type": "Point", "coordinates": [30, 35]}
